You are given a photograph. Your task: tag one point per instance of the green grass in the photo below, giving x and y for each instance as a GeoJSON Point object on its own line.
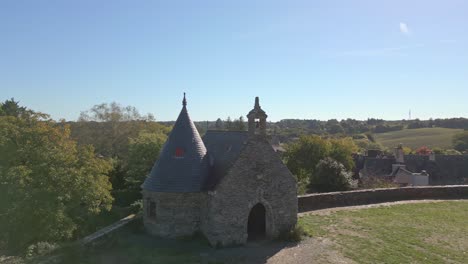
{"type": "Point", "coordinates": [407, 233]}
{"type": "Point", "coordinates": [415, 138]}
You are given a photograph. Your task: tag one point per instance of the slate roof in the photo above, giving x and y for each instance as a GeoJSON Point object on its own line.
{"type": "Point", "coordinates": [224, 148]}
{"type": "Point", "coordinates": [180, 174]}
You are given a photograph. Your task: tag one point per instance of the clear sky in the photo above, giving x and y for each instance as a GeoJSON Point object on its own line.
{"type": "Point", "coordinates": [305, 59]}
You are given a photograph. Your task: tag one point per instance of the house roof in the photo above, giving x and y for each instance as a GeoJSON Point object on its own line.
{"type": "Point", "coordinates": [224, 148]}
{"type": "Point", "coordinates": [185, 172]}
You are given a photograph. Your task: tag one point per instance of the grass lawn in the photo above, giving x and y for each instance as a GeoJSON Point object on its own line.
{"type": "Point", "coordinates": [405, 233]}
{"type": "Point", "coordinates": [415, 138]}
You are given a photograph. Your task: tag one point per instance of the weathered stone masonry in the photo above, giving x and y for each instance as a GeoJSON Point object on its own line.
{"type": "Point", "coordinates": [232, 186]}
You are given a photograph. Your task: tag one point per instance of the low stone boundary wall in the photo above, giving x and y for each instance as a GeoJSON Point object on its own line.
{"type": "Point", "coordinates": [108, 229]}
{"type": "Point", "coordinates": [318, 201]}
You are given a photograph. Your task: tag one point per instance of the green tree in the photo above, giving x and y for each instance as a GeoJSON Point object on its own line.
{"type": "Point", "coordinates": [228, 124]}
{"type": "Point", "coordinates": [143, 153]}
{"type": "Point", "coordinates": [49, 185]}
{"type": "Point", "coordinates": [238, 124]}
{"type": "Point", "coordinates": [460, 141]}
{"type": "Point", "coordinates": [12, 108]}
{"type": "Point", "coordinates": [219, 124]}
{"type": "Point", "coordinates": [303, 155]}
{"type": "Point", "coordinates": [342, 150]}
{"type": "Point", "coordinates": [109, 127]}
{"type": "Point", "coordinates": [329, 176]}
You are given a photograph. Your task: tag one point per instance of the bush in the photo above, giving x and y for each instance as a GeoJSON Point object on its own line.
{"type": "Point", "coordinates": [294, 235]}
{"type": "Point", "coordinates": [460, 141]}
{"type": "Point", "coordinates": [137, 206]}
{"type": "Point", "coordinates": [40, 249]}
{"type": "Point", "coordinates": [329, 176]}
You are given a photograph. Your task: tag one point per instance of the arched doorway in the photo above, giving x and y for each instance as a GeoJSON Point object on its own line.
{"type": "Point", "coordinates": [256, 224]}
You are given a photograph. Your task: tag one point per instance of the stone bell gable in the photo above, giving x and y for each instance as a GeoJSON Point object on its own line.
{"type": "Point", "coordinates": [257, 181]}
{"type": "Point", "coordinates": [232, 186]}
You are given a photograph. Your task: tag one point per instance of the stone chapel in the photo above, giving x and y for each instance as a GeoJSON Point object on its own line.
{"type": "Point", "coordinates": [231, 186]}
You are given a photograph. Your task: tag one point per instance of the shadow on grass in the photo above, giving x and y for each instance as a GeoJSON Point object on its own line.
{"type": "Point", "coordinates": [133, 245]}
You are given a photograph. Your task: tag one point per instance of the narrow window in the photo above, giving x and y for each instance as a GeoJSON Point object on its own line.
{"type": "Point", "coordinates": [179, 152]}
{"type": "Point", "coordinates": [151, 209]}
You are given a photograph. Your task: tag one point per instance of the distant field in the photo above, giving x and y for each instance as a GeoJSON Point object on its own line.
{"type": "Point", "coordinates": [415, 138]}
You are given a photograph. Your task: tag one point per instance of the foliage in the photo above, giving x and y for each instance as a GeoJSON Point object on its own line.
{"type": "Point", "coordinates": [438, 151]}
{"type": "Point", "coordinates": [423, 151]}
{"type": "Point", "coordinates": [303, 155]}
{"type": "Point", "coordinates": [113, 112]}
{"type": "Point", "coordinates": [40, 249]}
{"type": "Point", "coordinates": [228, 124]}
{"type": "Point", "coordinates": [49, 185]}
{"type": "Point", "coordinates": [294, 235]}
{"type": "Point", "coordinates": [416, 124]}
{"type": "Point", "coordinates": [108, 127]}
{"type": "Point", "coordinates": [12, 108]}
{"type": "Point", "coordinates": [387, 128]}
{"type": "Point", "coordinates": [239, 124]}
{"type": "Point", "coordinates": [330, 176]}
{"type": "Point", "coordinates": [142, 153]}
{"type": "Point", "coordinates": [334, 127]}
{"type": "Point", "coordinates": [219, 125]}
{"type": "Point", "coordinates": [460, 141]}
{"type": "Point", "coordinates": [407, 150]}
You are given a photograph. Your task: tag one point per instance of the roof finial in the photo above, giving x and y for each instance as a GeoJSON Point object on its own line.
{"type": "Point", "coordinates": [257, 102]}
{"type": "Point", "coordinates": [184, 102]}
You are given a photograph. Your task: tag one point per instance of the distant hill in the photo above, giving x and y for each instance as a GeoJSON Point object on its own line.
{"type": "Point", "coordinates": [415, 138]}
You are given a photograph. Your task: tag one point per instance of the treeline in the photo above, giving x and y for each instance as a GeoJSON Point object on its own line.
{"type": "Point", "coordinates": [289, 129]}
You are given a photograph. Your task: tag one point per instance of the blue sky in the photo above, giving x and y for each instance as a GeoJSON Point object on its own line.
{"type": "Point", "coordinates": [305, 59]}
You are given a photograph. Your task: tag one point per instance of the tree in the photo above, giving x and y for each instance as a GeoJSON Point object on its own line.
{"type": "Point", "coordinates": [460, 141]}
{"type": "Point", "coordinates": [239, 124]}
{"type": "Point", "coordinates": [330, 175]}
{"type": "Point", "coordinates": [113, 112]}
{"type": "Point", "coordinates": [12, 108]}
{"type": "Point", "coordinates": [108, 127]}
{"type": "Point", "coordinates": [219, 124]}
{"type": "Point", "coordinates": [143, 153]}
{"type": "Point", "coordinates": [423, 151]}
{"type": "Point", "coordinates": [342, 150]}
{"type": "Point", "coordinates": [303, 155]}
{"type": "Point", "coordinates": [49, 184]}
{"type": "Point", "coordinates": [228, 124]}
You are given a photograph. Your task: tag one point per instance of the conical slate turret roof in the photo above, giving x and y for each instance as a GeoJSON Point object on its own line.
{"type": "Point", "coordinates": [182, 165]}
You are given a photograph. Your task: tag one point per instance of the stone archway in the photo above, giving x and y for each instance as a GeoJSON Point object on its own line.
{"type": "Point", "coordinates": [256, 224]}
